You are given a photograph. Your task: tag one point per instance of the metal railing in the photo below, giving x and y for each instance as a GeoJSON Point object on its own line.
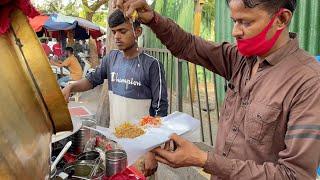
{"type": "Point", "coordinates": [202, 104]}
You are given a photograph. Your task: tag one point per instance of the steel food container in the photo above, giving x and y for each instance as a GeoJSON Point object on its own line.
{"type": "Point", "coordinates": [116, 162]}
{"type": "Point", "coordinates": [81, 138]}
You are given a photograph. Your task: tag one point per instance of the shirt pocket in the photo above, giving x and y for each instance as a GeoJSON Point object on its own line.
{"type": "Point", "coordinates": [227, 106]}
{"type": "Point", "coordinates": [260, 123]}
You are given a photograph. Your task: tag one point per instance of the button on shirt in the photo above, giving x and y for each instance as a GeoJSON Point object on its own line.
{"type": "Point", "coordinates": [270, 123]}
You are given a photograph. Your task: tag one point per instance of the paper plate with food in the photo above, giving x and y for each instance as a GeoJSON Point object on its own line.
{"type": "Point", "coordinates": [149, 133]}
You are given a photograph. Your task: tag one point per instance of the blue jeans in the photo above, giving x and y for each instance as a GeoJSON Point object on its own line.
{"type": "Point", "coordinates": [64, 80]}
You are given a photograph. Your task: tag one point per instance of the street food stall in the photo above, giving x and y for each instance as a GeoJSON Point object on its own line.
{"type": "Point", "coordinates": [96, 152]}
{"type": "Point", "coordinates": [32, 106]}
{"type": "Point", "coordinates": [40, 139]}
{"type": "Point", "coordinates": [34, 116]}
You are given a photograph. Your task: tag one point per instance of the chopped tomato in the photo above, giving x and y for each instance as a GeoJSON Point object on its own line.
{"type": "Point", "coordinates": [149, 120]}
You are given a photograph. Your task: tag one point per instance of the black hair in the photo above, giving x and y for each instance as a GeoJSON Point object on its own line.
{"type": "Point", "coordinates": [70, 49]}
{"type": "Point", "coordinates": [117, 18]}
{"type": "Point", "coordinates": [272, 6]}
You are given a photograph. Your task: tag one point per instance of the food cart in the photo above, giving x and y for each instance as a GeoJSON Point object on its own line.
{"type": "Point", "coordinates": [39, 138]}
{"type": "Point", "coordinates": [32, 105]}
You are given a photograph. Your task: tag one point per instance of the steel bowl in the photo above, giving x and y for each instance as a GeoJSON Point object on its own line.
{"type": "Point", "coordinates": [83, 169]}
{"type": "Point", "coordinates": [89, 156]}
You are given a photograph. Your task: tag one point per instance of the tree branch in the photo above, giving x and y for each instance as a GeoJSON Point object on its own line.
{"type": "Point", "coordinates": [95, 6]}
{"type": "Point", "coordinates": [53, 7]}
{"type": "Point", "coordinates": [85, 2]}
{"type": "Point", "coordinates": [73, 3]}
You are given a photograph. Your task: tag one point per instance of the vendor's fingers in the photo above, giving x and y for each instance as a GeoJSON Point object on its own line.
{"type": "Point", "coordinates": [133, 5]}
{"type": "Point", "coordinates": [146, 173]}
{"type": "Point", "coordinates": [177, 139]}
{"type": "Point", "coordinates": [66, 96]}
{"type": "Point", "coordinates": [118, 4]}
{"type": "Point", "coordinates": [142, 166]}
{"type": "Point", "coordinates": [67, 99]}
{"type": "Point", "coordinates": [153, 171]}
{"type": "Point", "coordinates": [149, 172]}
{"type": "Point", "coordinates": [162, 160]}
{"type": "Point", "coordinates": [167, 146]}
{"type": "Point", "coordinates": [114, 4]}
{"type": "Point", "coordinates": [164, 153]}
{"type": "Point", "coordinates": [128, 9]}
{"type": "Point", "coordinates": [174, 146]}
{"type": "Point", "coordinates": [155, 150]}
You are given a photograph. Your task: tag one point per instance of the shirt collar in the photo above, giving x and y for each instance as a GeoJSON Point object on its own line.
{"type": "Point", "coordinates": [285, 50]}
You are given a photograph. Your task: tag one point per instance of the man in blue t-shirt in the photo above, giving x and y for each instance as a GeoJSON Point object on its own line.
{"type": "Point", "coordinates": [136, 80]}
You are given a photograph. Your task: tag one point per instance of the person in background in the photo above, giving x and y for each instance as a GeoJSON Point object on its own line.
{"type": "Point", "coordinates": [72, 64]}
{"type": "Point", "coordinates": [57, 50]}
{"type": "Point", "coordinates": [85, 46]}
{"type": "Point", "coordinates": [136, 80]}
{"type": "Point", "coordinates": [269, 126]}
{"type": "Point", "coordinates": [51, 42]}
{"type": "Point", "coordinates": [46, 48]}
{"type": "Point", "coordinates": [77, 47]}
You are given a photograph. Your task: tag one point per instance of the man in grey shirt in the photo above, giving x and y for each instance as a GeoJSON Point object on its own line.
{"type": "Point", "coordinates": [134, 86]}
{"type": "Point", "coordinates": [136, 80]}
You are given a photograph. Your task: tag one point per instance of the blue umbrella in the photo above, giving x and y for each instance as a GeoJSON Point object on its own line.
{"type": "Point", "coordinates": [54, 24]}
{"type": "Point", "coordinates": [58, 22]}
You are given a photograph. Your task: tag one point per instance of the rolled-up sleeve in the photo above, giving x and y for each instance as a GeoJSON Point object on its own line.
{"type": "Point", "coordinates": [301, 156]}
{"type": "Point", "coordinates": [100, 74]}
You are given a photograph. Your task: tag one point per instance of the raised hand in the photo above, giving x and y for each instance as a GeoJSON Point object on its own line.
{"type": "Point", "coordinates": [145, 12]}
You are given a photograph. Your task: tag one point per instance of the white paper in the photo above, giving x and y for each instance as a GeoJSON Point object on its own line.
{"type": "Point", "coordinates": [179, 123]}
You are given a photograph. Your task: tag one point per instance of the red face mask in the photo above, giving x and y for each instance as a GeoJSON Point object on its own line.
{"type": "Point", "coordinates": [259, 45]}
